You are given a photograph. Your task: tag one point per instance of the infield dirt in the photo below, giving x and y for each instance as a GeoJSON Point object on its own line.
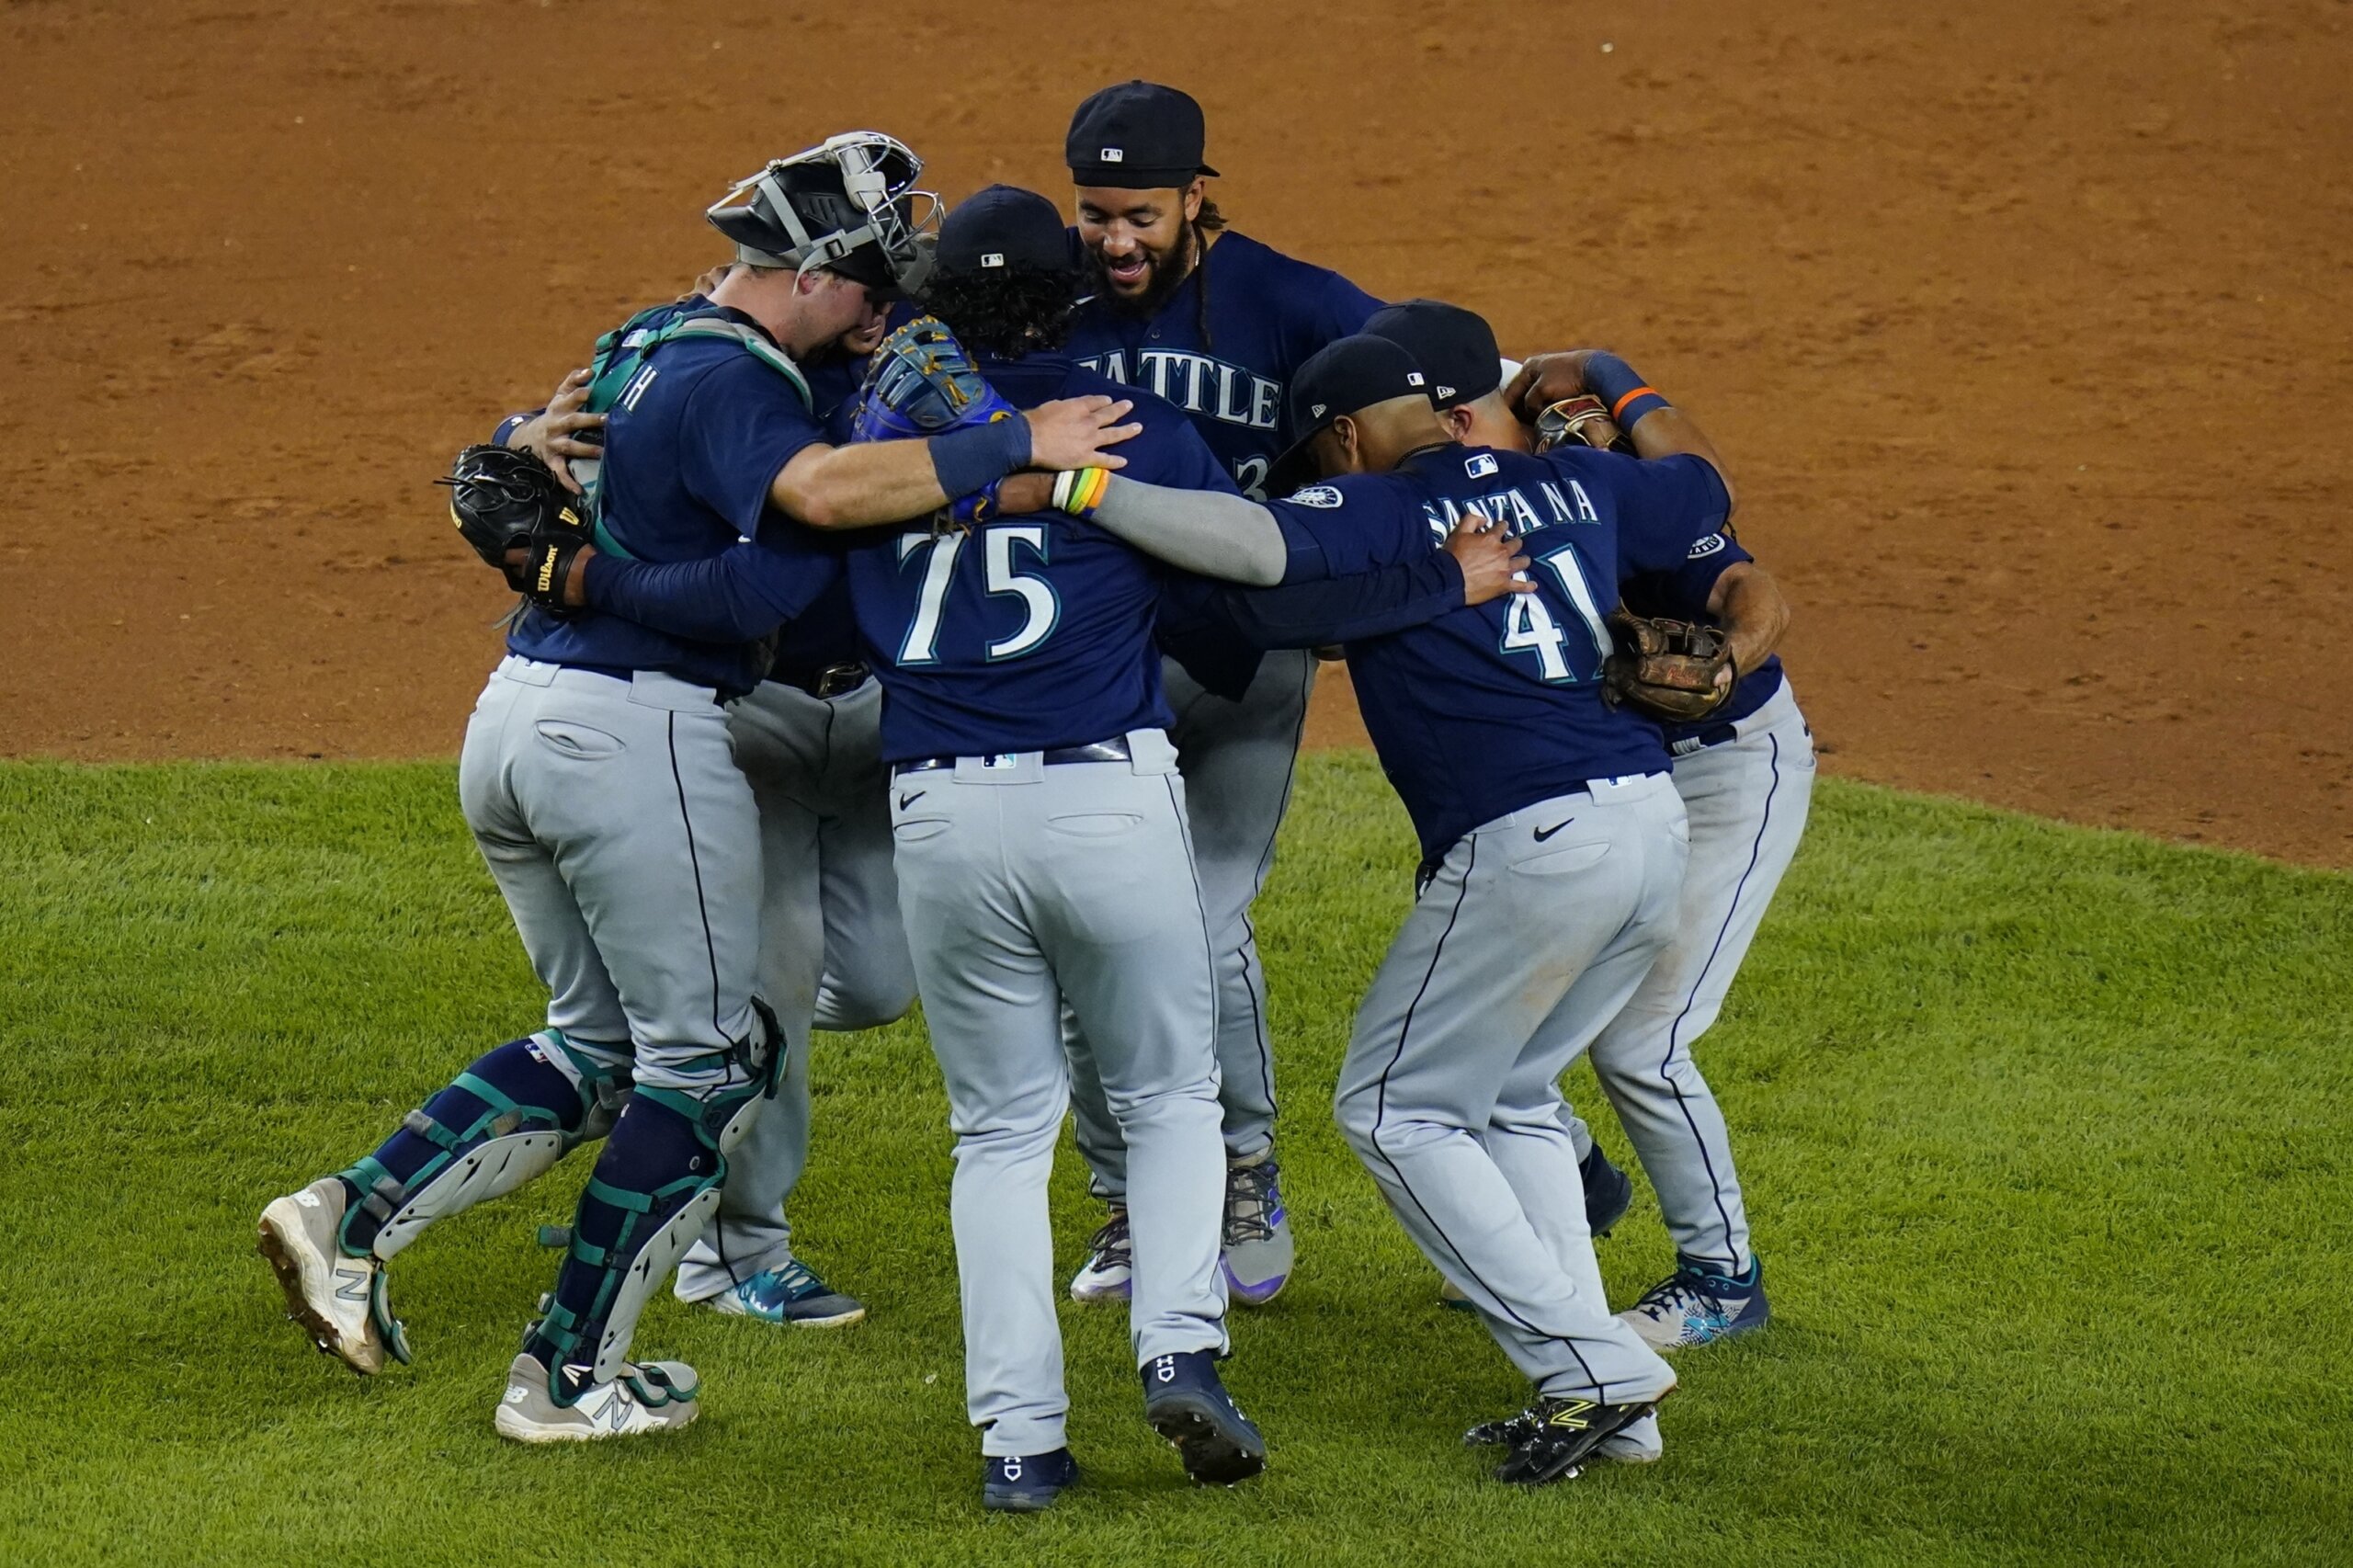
{"type": "Point", "coordinates": [2025, 326]}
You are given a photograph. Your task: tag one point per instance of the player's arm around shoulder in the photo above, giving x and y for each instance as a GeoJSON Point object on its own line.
{"type": "Point", "coordinates": [1656, 428]}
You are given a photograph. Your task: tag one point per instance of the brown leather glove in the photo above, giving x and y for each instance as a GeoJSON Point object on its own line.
{"type": "Point", "coordinates": [1676, 670]}
{"type": "Point", "coordinates": [1581, 418]}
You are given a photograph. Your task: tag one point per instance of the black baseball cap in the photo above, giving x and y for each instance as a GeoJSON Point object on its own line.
{"type": "Point", "coordinates": [1339, 378]}
{"type": "Point", "coordinates": [1137, 136]}
{"type": "Point", "coordinates": [1454, 346]}
{"type": "Point", "coordinates": [1004, 226]}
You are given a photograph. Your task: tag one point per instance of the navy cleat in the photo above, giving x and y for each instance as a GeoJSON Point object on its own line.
{"type": "Point", "coordinates": [791, 1295]}
{"type": "Point", "coordinates": [1609, 1192]}
{"type": "Point", "coordinates": [1697, 1306]}
{"type": "Point", "coordinates": [1026, 1484]}
{"type": "Point", "coordinates": [1554, 1438]}
{"type": "Point", "coordinates": [1187, 1405]}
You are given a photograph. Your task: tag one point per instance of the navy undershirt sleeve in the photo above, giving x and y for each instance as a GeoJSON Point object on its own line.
{"type": "Point", "coordinates": [1349, 610]}
{"type": "Point", "coordinates": [739, 594]}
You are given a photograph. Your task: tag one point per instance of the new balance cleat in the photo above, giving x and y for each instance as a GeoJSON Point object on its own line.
{"type": "Point", "coordinates": [650, 1396]}
{"type": "Point", "coordinates": [1609, 1192]}
{"type": "Point", "coordinates": [1109, 1273]}
{"type": "Point", "coordinates": [1257, 1250]}
{"type": "Point", "coordinates": [791, 1295]}
{"type": "Point", "coordinates": [1026, 1484]}
{"type": "Point", "coordinates": [1554, 1438]}
{"type": "Point", "coordinates": [1695, 1306]}
{"type": "Point", "coordinates": [1187, 1405]}
{"type": "Point", "coordinates": [339, 1300]}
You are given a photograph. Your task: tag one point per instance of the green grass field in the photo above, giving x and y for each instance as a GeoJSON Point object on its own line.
{"type": "Point", "coordinates": [2045, 1133]}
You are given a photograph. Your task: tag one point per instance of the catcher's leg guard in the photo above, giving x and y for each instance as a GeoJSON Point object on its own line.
{"type": "Point", "coordinates": [503, 1121]}
{"type": "Point", "coordinates": [654, 1188]}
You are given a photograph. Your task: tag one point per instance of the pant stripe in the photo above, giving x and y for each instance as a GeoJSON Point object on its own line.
{"type": "Point", "coordinates": [1258, 879]}
{"type": "Point", "coordinates": [1380, 1109]}
{"type": "Point", "coordinates": [710, 948]}
{"type": "Point", "coordinates": [1673, 1033]}
{"type": "Point", "coordinates": [1209, 948]}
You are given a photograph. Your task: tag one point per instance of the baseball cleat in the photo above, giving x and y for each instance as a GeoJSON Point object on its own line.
{"type": "Point", "coordinates": [1257, 1252]}
{"type": "Point", "coordinates": [1554, 1438]}
{"type": "Point", "coordinates": [1695, 1306]}
{"type": "Point", "coordinates": [1609, 1192]}
{"type": "Point", "coordinates": [1109, 1270]}
{"type": "Point", "coordinates": [339, 1300]}
{"type": "Point", "coordinates": [1187, 1405]}
{"type": "Point", "coordinates": [1026, 1484]}
{"type": "Point", "coordinates": [791, 1295]}
{"type": "Point", "coordinates": [649, 1396]}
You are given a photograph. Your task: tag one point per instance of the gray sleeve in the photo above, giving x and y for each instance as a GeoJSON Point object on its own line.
{"type": "Point", "coordinates": [1216, 535]}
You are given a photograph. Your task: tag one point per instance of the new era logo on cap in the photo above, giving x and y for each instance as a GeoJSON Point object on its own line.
{"type": "Point", "coordinates": [993, 258]}
{"type": "Point", "coordinates": [1445, 390]}
{"type": "Point", "coordinates": [1114, 156]}
{"type": "Point", "coordinates": [1316, 410]}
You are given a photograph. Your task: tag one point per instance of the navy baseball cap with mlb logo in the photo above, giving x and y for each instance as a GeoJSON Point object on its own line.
{"type": "Point", "coordinates": [1004, 226]}
{"type": "Point", "coordinates": [1454, 346]}
{"type": "Point", "coordinates": [1137, 136]}
{"type": "Point", "coordinates": [1341, 378]}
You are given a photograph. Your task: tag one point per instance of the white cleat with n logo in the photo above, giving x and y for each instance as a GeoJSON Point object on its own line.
{"type": "Point", "coordinates": [327, 1292]}
{"type": "Point", "coordinates": [651, 1396]}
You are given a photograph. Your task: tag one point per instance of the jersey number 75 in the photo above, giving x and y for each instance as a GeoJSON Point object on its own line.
{"type": "Point", "coordinates": [921, 646]}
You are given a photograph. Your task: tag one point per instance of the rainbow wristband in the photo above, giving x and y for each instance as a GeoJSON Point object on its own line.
{"type": "Point", "coordinates": [1080, 492]}
{"type": "Point", "coordinates": [1621, 389]}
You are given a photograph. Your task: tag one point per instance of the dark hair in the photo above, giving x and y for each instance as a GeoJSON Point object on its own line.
{"type": "Point", "coordinates": [1021, 310]}
{"type": "Point", "coordinates": [1209, 220]}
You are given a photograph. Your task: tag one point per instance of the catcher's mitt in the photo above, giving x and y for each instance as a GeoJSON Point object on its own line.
{"type": "Point", "coordinates": [1584, 419]}
{"type": "Point", "coordinates": [506, 502]}
{"type": "Point", "coordinates": [922, 383]}
{"type": "Point", "coordinates": [1676, 670]}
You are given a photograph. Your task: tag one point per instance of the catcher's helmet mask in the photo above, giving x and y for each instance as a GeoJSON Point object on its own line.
{"type": "Point", "coordinates": [848, 205]}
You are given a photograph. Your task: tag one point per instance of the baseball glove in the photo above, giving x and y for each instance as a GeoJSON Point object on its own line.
{"type": "Point", "coordinates": [511, 510]}
{"type": "Point", "coordinates": [921, 382]}
{"type": "Point", "coordinates": [1583, 419]}
{"type": "Point", "coordinates": [1676, 670]}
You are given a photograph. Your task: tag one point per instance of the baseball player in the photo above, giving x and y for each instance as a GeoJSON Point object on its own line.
{"type": "Point", "coordinates": [831, 950]}
{"type": "Point", "coordinates": [1021, 849]}
{"type": "Point", "coordinates": [599, 779]}
{"type": "Point", "coordinates": [1551, 866]}
{"type": "Point", "coordinates": [1746, 774]}
{"type": "Point", "coordinates": [1216, 324]}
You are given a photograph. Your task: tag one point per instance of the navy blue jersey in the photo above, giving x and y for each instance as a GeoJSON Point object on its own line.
{"type": "Point", "coordinates": [1683, 594]}
{"type": "Point", "coordinates": [1266, 314]}
{"type": "Point", "coordinates": [691, 449]}
{"type": "Point", "coordinates": [824, 634]}
{"type": "Point", "coordinates": [1497, 706]}
{"type": "Point", "coordinates": [1030, 632]}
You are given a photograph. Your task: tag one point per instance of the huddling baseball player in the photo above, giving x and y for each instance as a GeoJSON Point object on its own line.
{"type": "Point", "coordinates": [1002, 638]}
{"type": "Point", "coordinates": [831, 950]}
{"type": "Point", "coordinates": [1554, 858]}
{"type": "Point", "coordinates": [599, 779]}
{"type": "Point", "coordinates": [1746, 772]}
{"type": "Point", "coordinates": [1216, 324]}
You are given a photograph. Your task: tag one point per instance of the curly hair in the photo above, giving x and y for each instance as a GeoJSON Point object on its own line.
{"type": "Point", "coordinates": [1021, 310]}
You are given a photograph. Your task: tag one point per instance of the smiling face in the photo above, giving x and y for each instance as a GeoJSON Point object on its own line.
{"type": "Point", "coordinates": [1140, 241]}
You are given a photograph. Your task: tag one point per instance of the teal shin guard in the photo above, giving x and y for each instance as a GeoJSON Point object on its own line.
{"type": "Point", "coordinates": [504, 1121]}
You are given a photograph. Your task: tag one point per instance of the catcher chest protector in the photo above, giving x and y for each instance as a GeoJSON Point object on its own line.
{"type": "Point", "coordinates": [624, 351]}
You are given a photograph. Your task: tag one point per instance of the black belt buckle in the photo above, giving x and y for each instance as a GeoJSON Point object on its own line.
{"type": "Point", "coordinates": [1114, 750]}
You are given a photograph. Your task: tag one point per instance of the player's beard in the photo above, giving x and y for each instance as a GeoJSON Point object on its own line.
{"type": "Point", "coordinates": [1166, 273]}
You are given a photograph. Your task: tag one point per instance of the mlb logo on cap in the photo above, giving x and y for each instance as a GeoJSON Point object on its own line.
{"type": "Point", "coordinates": [1480, 466]}
{"type": "Point", "coordinates": [1113, 156]}
{"type": "Point", "coordinates": [993, 258]}
{"type": "Point", "coordinates": [1413, 378]}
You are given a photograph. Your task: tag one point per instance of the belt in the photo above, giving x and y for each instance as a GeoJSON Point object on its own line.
{"type": "Point", "coordinates": [1714, 736]}
{"type": "Point", "coordinates": [832, 680]}
{"type": "Point", "coordinates": [1101, 751]}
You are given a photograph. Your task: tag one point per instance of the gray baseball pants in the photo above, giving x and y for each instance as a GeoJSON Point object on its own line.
{"type": "Point", "coordinates": [1239, 760]}
{"type": "Point", "coordinates": [1027, 887]}
{"type": "Point", "coordinates": [1529, 935]}
{"type": "Point", "coordinates": [627, 846]}
{"type": "Point", "coordinates": [833, 949]}
{"type": "Point", "coordinates": [1747, 799]}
